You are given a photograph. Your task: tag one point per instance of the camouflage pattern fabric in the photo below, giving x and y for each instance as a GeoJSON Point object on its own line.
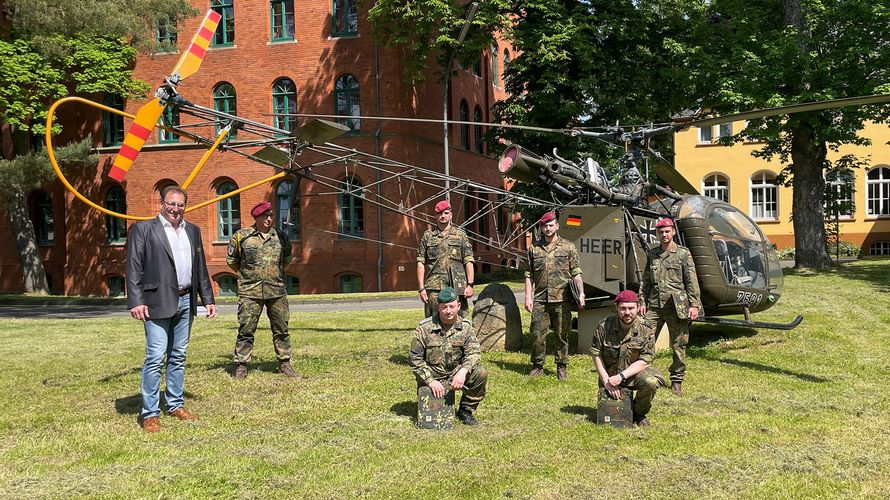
{"type": "Point", "coordinates": [445, 255]}
{"type": "Point", "coordinates": [555, 315]}
{"type": "Point", "coordinates": [670, 280]}
{"type": "Point", "coordinates": [432, 412]}
{"type": "Point", "coordinates": [614, 412]}
{"type": "Point", "coordinates": [259, 261]}
{"type": "Point", "coordinates": [249, 311]}
{"type": "Point", "coordinates": [550, 267]}
{"type": "Point", "coordinates": [436, 354]}
{"type": "Point", "coordinates": [678, 329]}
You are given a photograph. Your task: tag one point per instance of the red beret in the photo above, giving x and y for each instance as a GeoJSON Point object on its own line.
{"type": "Point", "coordinates": [626, 296]}
{"type": "Point", "coordinates": [549, 216]}
{"type": "Point", "coordinates": [260, 208]}
{"type": "Point", "coordinates": [664, 222]}
{"type": "Point", "coordinates": [442, 206]}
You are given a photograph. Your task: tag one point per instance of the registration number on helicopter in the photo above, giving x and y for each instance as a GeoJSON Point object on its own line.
{"type": "Point", "coordinates": [748, 297]}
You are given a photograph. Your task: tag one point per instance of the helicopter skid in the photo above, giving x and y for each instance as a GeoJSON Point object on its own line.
{"type": "Point", "coordinates": [749, 323]}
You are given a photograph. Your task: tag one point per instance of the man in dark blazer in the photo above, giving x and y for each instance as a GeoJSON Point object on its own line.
{"type": "Point", "coordinates": [166, 270]}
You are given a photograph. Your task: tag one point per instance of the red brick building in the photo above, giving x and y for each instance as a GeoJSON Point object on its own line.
{"type": "Point", "coordinates": [307, 57]}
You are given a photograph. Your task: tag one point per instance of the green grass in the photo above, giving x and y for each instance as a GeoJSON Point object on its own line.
{"type": "Point", "coordinates": [766, 414]}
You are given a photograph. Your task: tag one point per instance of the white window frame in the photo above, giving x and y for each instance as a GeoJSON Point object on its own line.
{"type": "Point", "coordinates": [882, 185]}
{"type": "Point", "coordinates": [769, 183]}
{"type": "Point", "coordinates": [835, 184]}
{"type": "Point", "coordinates": [702, 139]}
{"type": "Point", "coordinates": [711, 183]}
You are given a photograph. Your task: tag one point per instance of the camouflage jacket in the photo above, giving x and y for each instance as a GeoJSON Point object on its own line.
{"type": "Point", "coordinates": [259, 262]}
{"type": "Point", "coordinates": [435, 355]}
{"type": "Point", "coordinates": [618, 349]}
{"type": "Point", "coordinates": [670, 275]}
{"type": "Point", "coordinates": [551, 267]}
{"type": "Point", "coordinates": [445, 254]}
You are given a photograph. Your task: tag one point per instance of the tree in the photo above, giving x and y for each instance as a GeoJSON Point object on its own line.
{"type": "Point", "coordinates": [48, 48]}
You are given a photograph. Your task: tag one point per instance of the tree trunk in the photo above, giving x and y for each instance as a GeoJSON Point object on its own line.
{"type": "Point", "coordinates": [33, 272]}
{"type": "Point", "coordinates": [808, 194]}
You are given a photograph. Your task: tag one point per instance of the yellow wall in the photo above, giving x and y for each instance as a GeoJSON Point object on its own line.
{"type": "Point", "coordinates": [697, 161]}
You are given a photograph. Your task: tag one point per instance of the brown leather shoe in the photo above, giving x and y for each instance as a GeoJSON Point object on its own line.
{"type": "Point", "coordinates": [642, 422]}
{"type": "Point", "coordinates": [151, 424]}
{"type": "Point", "coordinates": [676, 389]}
{"type": "Point", "coordinates": [562, 373]}
{"type": "Point", "coordinates": [286, 369]}
{"type": "Point", "coordinates": [536, 372]}
{"type": "Point", "coordinates": [182, 414]}
{"type": "Point", "coordinates": [240, 372]}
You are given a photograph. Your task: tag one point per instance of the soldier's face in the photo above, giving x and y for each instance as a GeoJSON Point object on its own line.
{"type": "Point", "coordinates": [550, 228]}
{"type": "Point", "coordinates": [448, 311]}
{"type": "Point", "coordinates": [172, 207]}
{"type": "Point", "coordinates": [265, 221]}
{"type": "Point", "coordinates": [666, 234]}
{"type": "Point", "coordinates": [627, 312]}
{"type": "Point", "coordinates": [445, 217]}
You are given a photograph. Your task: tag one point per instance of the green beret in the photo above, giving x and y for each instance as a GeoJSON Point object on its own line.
{"type": "Point", "coordinates": [446, 295]}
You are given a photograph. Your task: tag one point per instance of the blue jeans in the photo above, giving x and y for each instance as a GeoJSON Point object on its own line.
{"type": "Point", "coordinates": [170, 337]}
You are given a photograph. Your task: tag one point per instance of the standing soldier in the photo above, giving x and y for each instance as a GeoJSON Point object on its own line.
{"type": "Point", "coordinates": [258, 254]}
{"type": "Point", "coordinates": [669, 294]}
{"type": "Point", "coordinates": [445, 355]}
{"type": "Point", "coordinates": [444, 259]}
{"type": "Point", "coordinates": [552, 264]}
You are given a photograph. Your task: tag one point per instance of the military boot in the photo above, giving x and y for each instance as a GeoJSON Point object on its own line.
{"type": "Point", "coordinates": [537, 371]}
{"type": "Point", "coordinates": [286, 369]}
{"type": "Point", "coordinates": [641, 421]}
{"type": "Point", "coordinates": [562, 373]}
{"type": "Point", "coordinates": [240, 372]}
{"type": "Point", "coordinates": [466, 416]}
{"type": "Point", "coordinates": [676, 389]}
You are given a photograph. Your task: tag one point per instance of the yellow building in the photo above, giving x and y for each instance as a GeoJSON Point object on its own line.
{"type": "Point", "coordinates": [731, 174]}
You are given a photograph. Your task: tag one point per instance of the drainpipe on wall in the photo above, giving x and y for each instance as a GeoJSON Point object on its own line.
{"type": "Point", "coordinates": [377, 171]}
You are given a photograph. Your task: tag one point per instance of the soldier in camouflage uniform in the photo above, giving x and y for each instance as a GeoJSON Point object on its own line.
{"type": "Point", "coordinates": [444, 259]}
{"type": "Point", "coordinates": [258, 254]}
{"type": "Point", "coordinates": [622, 351]}
{"type": "Point", "coordinates": [670, 295]}
{"type": "Point", "coordinates": [552, 264]}
{"type": "Point", "coordinates": [445, 355]}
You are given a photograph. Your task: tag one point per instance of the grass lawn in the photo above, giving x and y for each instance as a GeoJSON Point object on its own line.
{"type": "Point", "coordinates": [766, 414]}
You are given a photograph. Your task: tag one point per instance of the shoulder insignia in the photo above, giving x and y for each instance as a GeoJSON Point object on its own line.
{"type": "Point", "coordinates": [425, 321]}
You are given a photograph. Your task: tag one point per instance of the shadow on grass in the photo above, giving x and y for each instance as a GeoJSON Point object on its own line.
{"type": "Point", "coordinates": [391, 329]}
{"type": "Point", "coordinates": [806, 377]}
{"type": "Point", "coordinates": [520, 368]}
{"type": "Point", "coordinates": [585, 411]}
{"type": "Point", "coordinates": [405, 409]}
{"type": "Point", "coordinates": [871, 270]}
{"type": "Point", "coordinates": [704, 335]}
{"type": "Point", "coordinates": [132, 405]}
{"type": "Point", "coordinates": [399, 359]}
{"type": "Point", "coordinates": [122, 374]}
{"type": "Point", "coordinates": [227, 365]}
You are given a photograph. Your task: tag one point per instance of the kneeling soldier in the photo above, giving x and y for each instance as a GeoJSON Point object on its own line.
{"type": "Point", "coordinates": [622, 352]}
{"type": "Point", "coordinates": [445, 353]}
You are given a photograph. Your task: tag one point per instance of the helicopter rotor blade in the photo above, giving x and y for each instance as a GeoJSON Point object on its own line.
{"type": "Point", "coordinates": [192, 57]}
{"type": "Point", "coordinates": [787, 110]}
{"type": "Point", "coordinates": [145, 120]}
{"type": "Point", "coordinates": [675, 179]}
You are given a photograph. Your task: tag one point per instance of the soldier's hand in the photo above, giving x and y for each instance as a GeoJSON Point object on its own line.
{"type": "Point", "coordinates": [140, 313]}
{"type": "Point", "coordinates": [437, 388]}
{"type": "Point", "coordinates": [528, 304]}
{"type": "Point", "coordinates": [424, 297]}
{"type": "Point", "coordinates": [581, 301]}
{"type": "Point", "coordinates": [211, 310]}
{"type": "Point", "coordinates": [457, 382]}
{"type": "Point", "coordinates": [642, 309]}
{"type": "Point", "coordinates": [468, 291]}
{"type": "Point", "coordinates": [693, 313]}
{"type": "Point", "coordinates": [614, 392]}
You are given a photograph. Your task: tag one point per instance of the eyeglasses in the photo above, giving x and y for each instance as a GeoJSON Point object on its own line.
{"type": "Point", "coordinates": [174, 205]}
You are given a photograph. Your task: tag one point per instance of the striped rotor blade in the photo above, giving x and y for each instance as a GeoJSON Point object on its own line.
{"type": "Point", "coordinates": [191, 59]}
{"type": "Point", "coordinates": [794, 108]}
{"type": "Point", "coordinates": [146, 119]}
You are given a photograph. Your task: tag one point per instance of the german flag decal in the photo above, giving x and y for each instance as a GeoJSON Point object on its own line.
{"type": "Point", "coordinates": [573, 220]}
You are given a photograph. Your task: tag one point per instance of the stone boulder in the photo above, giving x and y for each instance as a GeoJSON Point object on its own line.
{"type": "Point", "coordinates": [496, 319]}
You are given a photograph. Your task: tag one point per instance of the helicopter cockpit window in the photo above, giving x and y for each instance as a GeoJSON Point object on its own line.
{"type": "Point", "coordinates": [739, 247]}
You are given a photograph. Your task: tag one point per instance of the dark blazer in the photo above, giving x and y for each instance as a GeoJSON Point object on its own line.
{"type": "Point", "coordinates": [151, 274]}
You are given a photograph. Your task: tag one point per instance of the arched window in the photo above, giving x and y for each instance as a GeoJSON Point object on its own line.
{"type": "Point", "coordinates": [115, 228]}
{"type": "Point", "coordinates": [43, 218]}
{"type": "Point", "coordinates": [287, 202]}
{"type": "Point", "coordinates": [346, 101]}
{"type": "Point", "coordinates": [877, 184]}
{"type": "Point", "coordinates": [293, 284]}
{"type": "Point", "coordinates": [115, 286]}
{"type": "Point", "coordinates": [224, 100]}
{"type": "Point", "coordinates": [495, 75]}
{"type": "Point", "coordinates": [228, 285]}
{"type": "Point", "coordinates": [764, 197]}
{"type": "Point", "coordinates": [169, 118]}
{"type": "Point", "coordinates": [506, 62]}
{"type": "Point", "coordinates": [477, 130]}
{"type": "Point", "coordinates": [716, 186]}
{"type": "Point", "coordinates": [349, 208]}
{"type": "Point", "coordinates": [284, 102]}
{"type": "Point", "coordinates": [839, 188]}
{"type": "Point", "coordinates": [879, 248]}
{"type": "Point", "coordinates": [112, 124]}
{"type": "Point", "coordinates": [225, 30]}
{"type": "Point", "coordinates": [464, 128]}
{"type": "Point", "coordinates": [345, 18]}
{"type": "Point", "coordinates": [350, 283]}
{"type": "Point", "coordinates": [282, 16]}
{"type": "Point", "coordinates": [228, 212]}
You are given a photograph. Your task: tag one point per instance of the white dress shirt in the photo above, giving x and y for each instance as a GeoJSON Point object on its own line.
{"type": "Point", "coordinates": [182, 251]}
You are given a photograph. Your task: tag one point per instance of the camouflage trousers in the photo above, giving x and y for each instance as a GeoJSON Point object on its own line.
{"type": "Point", "coordinates": [249, 311]}
{"type": "Point", "coordinates": [679, 337]}
{"type": "Point", "coordinates": [547, 315]}
{"type": "Point", "coordinates": [474, 387]}
{"type": "Point", "coordinates": [644, 385]}
{"type": "Point", "coordinates": [429, 309]}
